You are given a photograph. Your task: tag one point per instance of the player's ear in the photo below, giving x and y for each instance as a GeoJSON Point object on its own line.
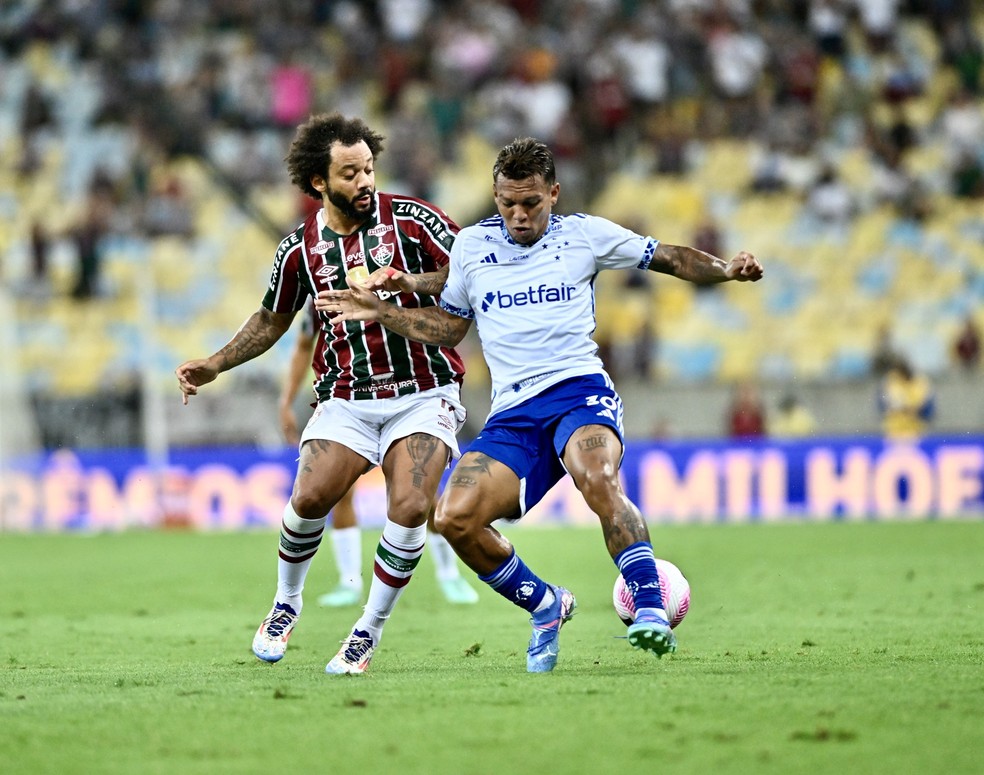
{"type": "Point", "coordinates": [554, 193]}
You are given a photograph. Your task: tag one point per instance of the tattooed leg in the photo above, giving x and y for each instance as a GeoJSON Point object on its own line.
{"type": "Point", "coordinates": [481, 490]}
{"type": "Point", "coordinates": [325, 472]}
{"type": "Point", "coordinates": [421, 448]}
{"type": "Point", "coordinates": [592, 457]}
{"type": "Point", "coordinates": [413, 467]}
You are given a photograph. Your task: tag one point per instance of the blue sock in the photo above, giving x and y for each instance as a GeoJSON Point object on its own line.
{"type": "Point", "coordinates": [637, 564]}
{"type": "Point", "coordinates": [517, 583]}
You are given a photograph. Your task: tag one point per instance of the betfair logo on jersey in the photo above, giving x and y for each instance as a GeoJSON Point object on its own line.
{"type": "Point", "coordinates": [543, 294]}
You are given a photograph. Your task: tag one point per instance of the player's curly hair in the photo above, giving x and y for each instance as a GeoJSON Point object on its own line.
{"type": "Point", "coordinates": [524, 158]}
{"type": "Point", "coordinates": [310, 150]}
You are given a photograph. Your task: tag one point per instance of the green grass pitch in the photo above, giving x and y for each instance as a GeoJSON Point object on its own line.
{"type": "Point", "coordinates": [810, 648]}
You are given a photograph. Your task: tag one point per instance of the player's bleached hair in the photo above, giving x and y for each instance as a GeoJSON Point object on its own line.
{"type": "Point", "coordinates": [524, 158]}
{"type": "Point", "coordinates": [310, 150]}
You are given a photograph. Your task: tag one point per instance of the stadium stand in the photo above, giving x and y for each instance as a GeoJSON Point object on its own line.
{"type": "Point", "coordinates": [189, 116]}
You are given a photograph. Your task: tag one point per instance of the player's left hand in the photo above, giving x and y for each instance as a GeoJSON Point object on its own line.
{"type": "Point", "coordinates": [744, 268]}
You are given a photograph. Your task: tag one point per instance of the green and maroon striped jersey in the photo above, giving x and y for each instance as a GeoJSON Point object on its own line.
{"type": "Point", "coordinates": [359, 360]}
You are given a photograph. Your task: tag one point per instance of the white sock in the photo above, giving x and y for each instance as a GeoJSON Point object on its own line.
{"type": "Point", "coordinates": [548, 600]}
{"type": "Point", "coordinates": [347, 545]}
{"type": "Point", "coordinates": [397, 556]}
{"type": "Point", "coordinates": [445, 560]}
{"type": "Point", "coordinates": [299, 540]}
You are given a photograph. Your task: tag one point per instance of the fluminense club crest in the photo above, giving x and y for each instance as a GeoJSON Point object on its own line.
{"type": "Point", "coordinates": [382, 254]}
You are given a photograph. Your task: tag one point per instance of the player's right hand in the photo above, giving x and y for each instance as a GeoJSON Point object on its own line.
{"type": "Point", "coordinates": [288, 424]}
{"type": "Point", "coordinates": [356, 303]}
{"type": "Point", "coordinates": [745, 268]}
{"type": "Point", "coordinates": [192, 375]}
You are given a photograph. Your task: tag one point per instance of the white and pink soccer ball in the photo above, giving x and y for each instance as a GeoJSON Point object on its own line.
{"type": "Point", "coordinates": [672, 583]}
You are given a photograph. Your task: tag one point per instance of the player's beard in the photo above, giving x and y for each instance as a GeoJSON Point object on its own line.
{"type": "Point", "coordinates": [347, 207]}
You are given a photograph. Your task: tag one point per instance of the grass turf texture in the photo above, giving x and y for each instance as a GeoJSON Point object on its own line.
{"type": "Point", "coordinates": [814, 648]}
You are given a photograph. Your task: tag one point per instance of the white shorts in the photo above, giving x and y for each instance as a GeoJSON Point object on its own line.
{"type": "Point", "coordinates": [369, 427]}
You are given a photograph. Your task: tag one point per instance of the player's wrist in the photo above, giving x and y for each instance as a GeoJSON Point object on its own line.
{"type": "Point", "coordinates": [218, 363]}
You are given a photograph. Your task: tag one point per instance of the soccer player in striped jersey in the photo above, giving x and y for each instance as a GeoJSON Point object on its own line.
{"type": "Point", "coordinates": [382, 399]}
{"type": "Point", "coordinates": [526, 277]}
{"type": "Point", "coordinates": [346, 537]}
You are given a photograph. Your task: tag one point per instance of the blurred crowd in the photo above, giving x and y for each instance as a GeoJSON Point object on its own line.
{"type": "Point", "coordinates": [614, 86]}
{"type": "Point", "coordinates": [608, 83]}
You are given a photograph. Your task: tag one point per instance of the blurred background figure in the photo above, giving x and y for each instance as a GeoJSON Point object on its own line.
{"type": "Point", "coordinates": [746, 416]}
{"type": "Point", "coordinates": [967, 345]}
{"type": "Point", "coordinates": [40, 259]}
{"type": "Point", "coordinates": [829, 200]}
{"type": "Point", "coordinates": [883, 355]}
{"type": "Point", "coordinates": [792, 419]}
{"type": "Point", "coordinates": [906, 402]}
{"type": "Point", "coordinates": [89, 236]}
{"type": "Point", "coordinates": [633, 340]}
{"type": "Point", "coordinates": [168, 211]}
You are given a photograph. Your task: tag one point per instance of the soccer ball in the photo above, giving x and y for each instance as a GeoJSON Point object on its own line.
{"type": "Point", "coordinates": [672, 583]}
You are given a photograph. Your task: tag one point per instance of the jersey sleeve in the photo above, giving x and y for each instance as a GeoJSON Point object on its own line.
{"type": "Point", "coordinates": [617, 247]}
{"type": "Point", "coordinates": [286, 292]}
{"type": "Point", "coordinates": [429, 225]}
{"type": "Point", "coordinates": [454, 297]}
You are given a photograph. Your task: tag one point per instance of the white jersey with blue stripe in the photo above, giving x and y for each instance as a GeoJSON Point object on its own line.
{"type": "Point", "coordinates": [534, 304]}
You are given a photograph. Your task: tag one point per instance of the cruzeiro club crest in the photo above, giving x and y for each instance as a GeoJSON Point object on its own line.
{"type": "Point", "coordinates": [525, 590]}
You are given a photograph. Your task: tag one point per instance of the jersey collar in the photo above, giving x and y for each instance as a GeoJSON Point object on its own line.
{"type": "Point", "coordinates": [552, 226]}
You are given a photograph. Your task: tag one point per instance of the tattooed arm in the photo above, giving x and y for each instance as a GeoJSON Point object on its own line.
{"type": "Point", "coordinates": [430, 325]}
{"type": "Point", "coordinates": [432, 283]}
{"type": "Point", "coordinates": [257, 335]}
{"type": "Point", "coordinates": [703, 268]}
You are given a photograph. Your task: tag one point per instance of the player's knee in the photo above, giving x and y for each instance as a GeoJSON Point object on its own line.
{"type": "Point", "coordinates": [309, 505]}
{"type": "Point", "coordinates": [450, 522]}
{"type": "Point", "coordinates": [412, 508]}
{"type": "Point", "coordinates": [599, 485]}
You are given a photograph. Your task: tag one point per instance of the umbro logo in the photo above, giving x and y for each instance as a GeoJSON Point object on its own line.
{"type": "Point", "coordinates": [328, 271]}
{"type": "Point", "coordinates": [490, 259]}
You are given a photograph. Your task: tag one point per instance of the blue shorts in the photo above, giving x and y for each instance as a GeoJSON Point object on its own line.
{"type": "Point", "coordinates": [530, 437]}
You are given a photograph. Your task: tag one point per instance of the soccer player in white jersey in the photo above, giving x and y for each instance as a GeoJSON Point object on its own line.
{"type": "Point", "coordinates": [526, 278]}
{"type": "Point", "coordinates": [382, 399]}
